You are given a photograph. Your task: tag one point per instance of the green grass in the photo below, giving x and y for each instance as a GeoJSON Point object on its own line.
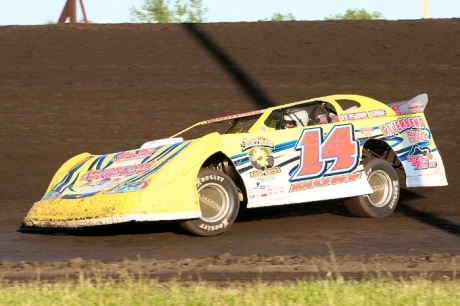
{"type": "Point", "coordinates": [126, 290]}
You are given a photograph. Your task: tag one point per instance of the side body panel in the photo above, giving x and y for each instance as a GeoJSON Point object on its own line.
{"type": "Point", "coordinates": [299, 165]}
{"type": "Point", "coordinates": [412, 140]}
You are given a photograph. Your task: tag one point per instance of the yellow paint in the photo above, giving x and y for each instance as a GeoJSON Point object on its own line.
{"type": "Point", "coordinates": [172, 190]}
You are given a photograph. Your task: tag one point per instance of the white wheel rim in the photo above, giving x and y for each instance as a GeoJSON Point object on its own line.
{"type": "Point", "coordinates": [380, 182]}
{"type": "Point", "coordinates": [214, 202]}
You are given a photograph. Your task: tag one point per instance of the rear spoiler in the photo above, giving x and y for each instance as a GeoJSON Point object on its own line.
{"type": "Point", "coordinates": [414, 105]}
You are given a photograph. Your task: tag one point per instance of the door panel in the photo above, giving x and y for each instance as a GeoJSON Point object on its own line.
{"type": "Point", "coordinates": [301, 165]}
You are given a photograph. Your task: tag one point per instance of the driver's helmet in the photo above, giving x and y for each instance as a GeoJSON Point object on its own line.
{"type": "Point", "coordinates": [295, 118]}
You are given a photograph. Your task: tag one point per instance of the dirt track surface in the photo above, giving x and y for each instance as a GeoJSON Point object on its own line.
{"type": "Point", "coordinates": [67, 89]}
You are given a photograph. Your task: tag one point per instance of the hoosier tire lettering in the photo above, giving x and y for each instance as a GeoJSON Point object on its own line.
{"type": "Point", "coordinates": [219, 204]}
{"type": "Point", "coordinates": [224, 224]}
{"type": "Point", "coordinates": [202, 180]}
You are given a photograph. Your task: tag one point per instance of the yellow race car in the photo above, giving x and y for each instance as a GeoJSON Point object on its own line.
{"type": "Point", "coordinates": [333, 147]}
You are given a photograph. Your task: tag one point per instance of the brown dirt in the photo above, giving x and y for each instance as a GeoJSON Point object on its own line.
{"type": "Point", "coordinates": [67, 89]}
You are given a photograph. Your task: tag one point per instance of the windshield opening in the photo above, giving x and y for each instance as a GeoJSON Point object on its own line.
{"type": "Point", "coordinates": [242, 125]}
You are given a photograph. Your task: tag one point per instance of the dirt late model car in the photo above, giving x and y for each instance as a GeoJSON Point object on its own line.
{"type": "Point", "coordinates": [312, 150]}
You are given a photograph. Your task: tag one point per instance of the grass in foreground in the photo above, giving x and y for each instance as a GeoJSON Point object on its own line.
{"type": "Point", "coordinates": [130, 291]}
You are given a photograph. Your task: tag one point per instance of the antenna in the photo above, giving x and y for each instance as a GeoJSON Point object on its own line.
{"type": "Point", "coordinates": [425, 13]}
{"type": "Point", "coordinates": [70, 11]}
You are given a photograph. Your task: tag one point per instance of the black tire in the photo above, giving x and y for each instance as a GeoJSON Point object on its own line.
{"type": "Point", "coordinates": [384, 181]}
{"type": "Point", "coordinates": [218, 197]}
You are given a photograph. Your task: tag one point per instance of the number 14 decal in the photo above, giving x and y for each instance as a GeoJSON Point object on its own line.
{"type": "Point", "coordinates": [339, 149]}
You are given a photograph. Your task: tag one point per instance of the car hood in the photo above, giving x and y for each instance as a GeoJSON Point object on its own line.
{"type": "Point", "coordinates": [118, 172]}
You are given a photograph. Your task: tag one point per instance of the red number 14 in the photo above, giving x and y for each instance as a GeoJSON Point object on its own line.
{"type": "Point", "coordinates": [339, 149]}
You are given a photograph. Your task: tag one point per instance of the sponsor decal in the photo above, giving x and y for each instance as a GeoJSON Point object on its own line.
{"type": "Point", "coordinates": [396, 108]}
{"type": "Point", "coordinates": [354, 116]}
{"type": "Point", "coordinates": [116, 172]}
{"type": "Point", "coordinates": [234, 116]}
{"type": "Point", "coordinates": [261, 158]}
{"type": "Point", "coordinates": [276, 189]}
{"type": "Point", "coordinates": [421, 158]}
{"type": "Point", "coordinates": [91, 187]}
{"type": "Point", "coordinates": [415, 106]}
{"type": "Point", "coordinates": [261, 141]}
{"type": "Point", "coordinates": [134, 154]}
{"type": "Point", "coordinates": [266, 178]}
{"type": "Point", "coordinates": [378, 113]}
{"type": "Point", "coordinates": [264, 190]}
{"type": "Point", "coordinates": [326, 181]}
{"type": "Point", "coordinates": [129, 187]}
{"type": "Point", "coordinates": [366, 131]}
{"type": "Point", "coordinates": [266, 172]}
{"type": "Point", "coordinates": [417, 136]}
{"type": "Point", "coordinates": [396, 127]}
{"type": "Point", "coordinates": [106, 182]}
{"type": "Point", "coordinates": [259, 152]}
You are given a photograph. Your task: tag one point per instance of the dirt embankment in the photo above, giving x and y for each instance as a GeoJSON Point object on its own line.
{"type": "Point", "coordinates": [67, 89]}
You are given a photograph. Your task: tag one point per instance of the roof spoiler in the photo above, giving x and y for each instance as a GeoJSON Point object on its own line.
{"type": "Point", "coordinates": [414, 105]}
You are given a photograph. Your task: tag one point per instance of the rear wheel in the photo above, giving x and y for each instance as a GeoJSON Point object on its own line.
{"type": "Point", "coordinates": [219, 204]}
{"type": "Point", "coordinates": [384, 182]}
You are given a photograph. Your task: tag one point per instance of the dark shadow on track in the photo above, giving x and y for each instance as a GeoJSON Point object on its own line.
{"type": "Point", "coordinates": [407, 196]}
{"type": "Point", "coordinates": [293, 210]}
{"type": "Point", "coordinates": [250, 86]}
{"type": "Point", "coordinates": [425, 217]}
{"type": "Point", "coordinates": [128, 228]}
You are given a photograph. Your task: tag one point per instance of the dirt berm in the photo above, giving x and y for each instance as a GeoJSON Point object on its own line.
{"type": "Point", "coordinates": [68, 89]}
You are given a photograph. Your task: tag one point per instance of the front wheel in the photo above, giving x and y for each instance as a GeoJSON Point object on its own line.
{"type": "Point", "coordinates": [219, 204]}
{"type": "Point", "coordinates": [384, 182]}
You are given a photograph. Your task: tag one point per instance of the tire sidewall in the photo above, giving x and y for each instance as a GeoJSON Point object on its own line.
{"type": "Point", "coordinates": [203, 227]}
{"type": "Point", "coordinates": [386, 209]}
